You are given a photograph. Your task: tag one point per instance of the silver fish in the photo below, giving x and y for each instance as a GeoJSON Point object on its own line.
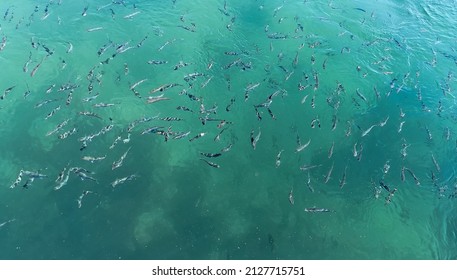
{"type": "Point", "coordinates": [63, 181]}
{"type": "Point", "coordinates": [436, 164]}
{"type": "Point", "coordinates": [302, 147]}
{"type": "Point", "coordinates": [329, 173]}
{"type": "Point", "coordinates": [308, 183]}
{"type": "Point", "coordinates": [316, 210]}
{"type": "Point", "coordinates": [123, 180]}
{"type": "Point", "coordinates": [365, 133]}
{"type": "Point", "coordinates": [119, 162]}
{"type": "Point", "coordinates": [80, 198]}
{"type": "Point", "coordinates": [330, 151]}
{"type": "Point", "coordinates": [278, 159]}
{"type": "Point", "coordinates": [93, 159]}
{"type": "Point", "coordinates": [291, 196]}
{"type": "Point", "coordinates": [7, 222]}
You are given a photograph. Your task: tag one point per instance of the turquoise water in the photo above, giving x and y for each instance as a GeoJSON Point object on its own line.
{"type": "Point", "coordinates": [381, 64]}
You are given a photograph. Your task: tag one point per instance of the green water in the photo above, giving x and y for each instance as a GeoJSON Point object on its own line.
{"type": "Point", "coordinates": [179, 207]}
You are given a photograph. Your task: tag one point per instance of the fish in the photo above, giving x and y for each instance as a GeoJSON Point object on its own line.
{"type": "Point", "coordinates": [52, 113]}
{"type": "Point", "coordinates": [104, 48]}
{"type": "Point", "coordinates": [181, 135]}
{"type": "Point", "coordinates": [278, 159]}
{"type": "Point", "coordinates": [62, 180]}
{"type": "Point", "coordinates": [233, 63]}
{"type": "Point", "coordinates": [316, 210]}
{"type": "Point", "coordinates": [83, 176]}
{"type": "Point", "coordinates": [142, 41]}
{"type": "Point", "coordinates": [61, 175]}
{"type": "Point", "coordinates": [210, 155]}
{"type": "Point", "coordinates": [389, 197]}
{"type": "Point", "coordinates": [329, 173]}
{"type": "Point", "coordinates": [301, 147]}
{"type": "Point", "coordinates": [115, 142]}
{"type": "Point", "coordinates": [291, 196]}
{"type": "Point", "coordinates": [308, 167]}
{"type": "Point", "coordinates": [90, 98]}
{"type": "Point", "coordinates": [123, 180]}
{"type": "Point", "coordinates": [277, 35]}
{"type": "Point", "coordinates": [18, 180]}
{"type": "Point", "coordinates": [190, 28]}
{"type": "Point", "coordinates": [153, 129]}
{"type": "Point", "coordinates": [118, 163]}
{"type": "Point", "coordinates": [68, 133]}
{"type": "Point", "coordinates": [165, 44]}
{"type": "Point", "coordinates": [436, 164]}
{"type": "Point", "coordinates": [403, 150]}
{"type": "Point", "coordinates": [35, 69]}
{"type": "Point", "coordinates": [192, 76]}
{"type": "Point", "coordinates": [259, 116]}
{"type": "Point", "coordinates": [334, 122]}
{"type": "Point", "coordinates": [295, 61]}
{"type": "Point", "coordinates": [26, 65]}
{"type": "Point", "coordinates": [403, 174]}
{"type": "Point", "coordinates": [95, 29]}
{"type": "Point", "coordinates": [401, 126]}
{"type": "Point", "coordinates": [365, 133]}
{"type": "Point", "coordinates": [7, 91]}
{"type": "Point", "coordinates": [157, 62]}
{"type": "Point", "coordinates": [386, 167]}
{"type": "Point", "coordinates": [384, 122]}
{"type": "Point", "coordinates": [6, 222]}
{"type": "Point", "coordinates": [129, 16]}
{"type": "Point", "coordinates": [413, 175]}
{"type": "Point", "coordinates": [343, 179]}
{"type": "Point", "coordinates": [378, 96]}
{"type": "Point", "coordinates": [308, 183]}
{"type": "Point", "coordinates": [58, 127]}
{"type": "Point", "coordinates": [34, 174]}
{"type": "Point", "coordinates": [170, 119]}
{"type": "Point", "coordinates": [429, 134]}
{"type": "Point", "coordinates": [205, 83]}
{"type": "Point", "coordinates": [93, 159]}
{"type": "Point", "coordinates": [228, 107]}
{"type": "Point", "coordinates": [348, 131]}
{"type": "Point", "coordinates": [164, 88]}
{"type": "Point", "coordinates": [314, 122]}
{"type": "Point", "coordinates": [69, 98]}
{"type": "Point", "coordinates": [181, 64]}
{"type": "Point", "coordinates": [359, 94]}
{"type": "Point", "coordinates": [330, 151]}
{"type": "Point", "coordinates": [381, 183]}
{"type": "Point", "coordinates": [137, 84]}
{"type": "Point", "coordinates": [84, 13]}
{"type": "Point", "coordinates": [183, 108]}
{"type": "Point", "coordinates": [90, 114]}
{"type": "Point", "coordinates": [103, 105]}
{"type": "Point", "coordinates": [447, 134]}
{"type": "Point", "coordinates": [197, 136]}
{"type": "Point", "coordinates": [212, 164]}
{"type": "Point", "coordinates": [255, 139]}
{"type": "Point", "coordinates": [50, 88]}
{"type": "Point", "coordinates": [80, 198]}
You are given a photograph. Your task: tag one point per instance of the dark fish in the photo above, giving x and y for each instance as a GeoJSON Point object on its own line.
{"type": "Point", "coordinates": [84, 13]}
{"type": "Point", "coordinates": [210, 155]}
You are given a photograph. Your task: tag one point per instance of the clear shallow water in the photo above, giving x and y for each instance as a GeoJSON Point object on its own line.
{"type": "Point", "coordinates": [179, 207]}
